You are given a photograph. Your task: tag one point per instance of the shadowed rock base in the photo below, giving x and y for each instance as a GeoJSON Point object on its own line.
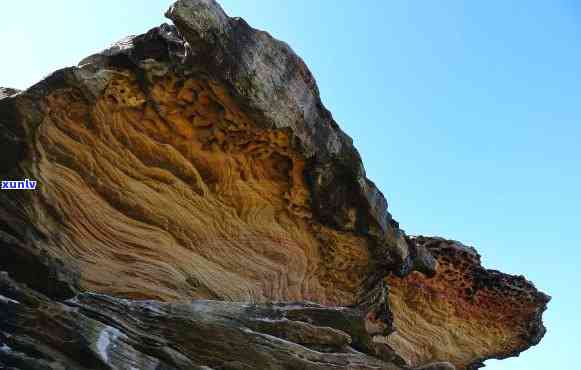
{"type": "Point", "coordinates": [101, 332]}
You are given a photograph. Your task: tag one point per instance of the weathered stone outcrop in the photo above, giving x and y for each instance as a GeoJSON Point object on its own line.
{"type": "Point", "coordinates": [475, 313]}
{"type": "Point", "coordinates": [197, 162]}
{"type": "Point", "coordinates": [101, 332]}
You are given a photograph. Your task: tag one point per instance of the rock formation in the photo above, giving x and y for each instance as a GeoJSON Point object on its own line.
{"type": "Point", "coordinates": [198, 208]}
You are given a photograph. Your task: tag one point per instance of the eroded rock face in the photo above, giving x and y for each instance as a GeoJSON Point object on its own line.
{"type": "Point", "coordinates": [161, 178]}
{"type": "Point", "coordinates": [197, 161]}
{"type": "Point", "coordinates": [171, 192]}
{"type": "Point", "coordinates": [475, 313]}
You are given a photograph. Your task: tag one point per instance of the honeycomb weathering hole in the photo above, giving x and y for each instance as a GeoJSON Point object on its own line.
{"type": "Point", "coordinates": [474, 313]}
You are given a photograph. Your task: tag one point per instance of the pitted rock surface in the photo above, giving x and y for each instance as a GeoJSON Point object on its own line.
{"type": "Point", "coordinates": [486, 314]}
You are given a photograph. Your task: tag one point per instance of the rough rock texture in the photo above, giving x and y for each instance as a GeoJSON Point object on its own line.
{"type": "Point", "coordinates": [100, 332]}
{"type": "Point", "coordinates": [197, 162]}
{"type": "Point", "coordinates": [475, 313]}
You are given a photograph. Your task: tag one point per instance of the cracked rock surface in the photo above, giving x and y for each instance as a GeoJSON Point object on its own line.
{"type": "Point", "coordinates": [198, 207]}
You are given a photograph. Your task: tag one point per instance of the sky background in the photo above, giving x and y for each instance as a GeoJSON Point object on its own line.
{"type": "Point", "coordinates": [467, 115]}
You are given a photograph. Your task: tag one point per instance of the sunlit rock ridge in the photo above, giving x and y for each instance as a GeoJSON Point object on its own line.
{"type": "Point", "coordinates": [197, 207]}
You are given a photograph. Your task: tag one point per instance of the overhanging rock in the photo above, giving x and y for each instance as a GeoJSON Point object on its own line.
{"type": "Point", "coordinates": [197, 161]}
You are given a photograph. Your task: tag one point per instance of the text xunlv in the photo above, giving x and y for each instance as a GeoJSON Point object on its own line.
{"type": "Point", "coordinates": [25, 184]}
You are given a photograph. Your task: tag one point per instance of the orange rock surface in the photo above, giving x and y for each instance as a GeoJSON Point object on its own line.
{"type": "Point", "coordinates": [176, 195]}
{"type": "Point", "coordinates": [464, 312]}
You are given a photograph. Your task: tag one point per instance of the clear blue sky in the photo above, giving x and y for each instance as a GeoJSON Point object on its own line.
{"type": "Point", "coordinates": [467, 115]}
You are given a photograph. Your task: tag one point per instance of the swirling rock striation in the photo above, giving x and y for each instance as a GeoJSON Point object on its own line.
{"type": "Point", "coordinates": [197, 162]}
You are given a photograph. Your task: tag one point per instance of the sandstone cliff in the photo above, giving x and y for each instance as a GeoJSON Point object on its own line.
{"type": "Point", "coordinates": [197, 207]}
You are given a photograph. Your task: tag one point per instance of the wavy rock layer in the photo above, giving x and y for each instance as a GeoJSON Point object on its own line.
{"type": "Point", "coordinates": [198, 162]}
{"type": "Point", "coordinates": [173, 193]}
